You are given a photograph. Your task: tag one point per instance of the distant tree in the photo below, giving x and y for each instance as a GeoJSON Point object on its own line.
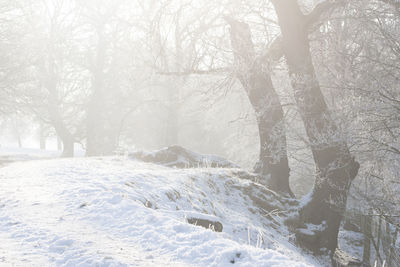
{"type": "Point", "coordinates": [110, 55]}
{"type": "Point", "coordinates": [53, 82]}
{"type": "Point", "coordinates": [13, 64]}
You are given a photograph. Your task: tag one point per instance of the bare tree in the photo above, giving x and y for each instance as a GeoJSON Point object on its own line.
{"type": "Point", "coordinates": [256, 80]}
{"type": "Point", "coordinates": [108, 64]}
{"type": "Point", "coordinates": [336, 167]}
{"type": "Point", "coordinates": [49, 81]}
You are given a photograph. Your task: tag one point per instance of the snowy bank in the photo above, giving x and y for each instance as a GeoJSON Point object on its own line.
{"type": "Point", "coordinates": [121, 212]}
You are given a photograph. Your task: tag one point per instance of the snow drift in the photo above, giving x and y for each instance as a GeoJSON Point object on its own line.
{"type": "Point", "coordinates": [121, 212]}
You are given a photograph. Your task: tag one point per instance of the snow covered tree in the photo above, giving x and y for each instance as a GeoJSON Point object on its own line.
{"type": "Point", "coordinates": [335, 166]}
{"type": "Point", "coordinates": [357, 62]}
{"type": "Point", "coordinates": [256, 80]}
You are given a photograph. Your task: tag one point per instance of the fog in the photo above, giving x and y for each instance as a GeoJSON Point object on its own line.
{"type": "Point", "coordinates": [303, 93]}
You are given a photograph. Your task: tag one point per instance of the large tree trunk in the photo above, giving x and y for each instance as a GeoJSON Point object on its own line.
{"type": "Point", "coordinates": [256, 80]}
{"type": "Point", "coordinates": [68, 147]}
{"type": "Point", "coordinates": [335, 167]}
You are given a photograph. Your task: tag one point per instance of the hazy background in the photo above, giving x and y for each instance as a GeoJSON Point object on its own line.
{"type": "Point", "coordinates": [130, 75]}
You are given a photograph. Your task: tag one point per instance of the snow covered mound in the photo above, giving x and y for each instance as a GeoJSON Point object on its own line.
{"type": "Point", "coordinates": [179, 157]}
{"type": "Point", "coordinates": [120, 212]}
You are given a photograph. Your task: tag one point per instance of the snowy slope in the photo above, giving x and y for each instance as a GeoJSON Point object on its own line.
{"type": "Point", "coordinates": [120, 212]}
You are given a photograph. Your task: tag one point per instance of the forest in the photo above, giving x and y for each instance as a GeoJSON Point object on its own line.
{"type": "Point", "coordinates": [290, 107]}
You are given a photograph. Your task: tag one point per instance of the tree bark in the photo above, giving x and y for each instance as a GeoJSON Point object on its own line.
{"type": "Point", "coordinates": [335, 166]}
{"type": "Point", "coordinates": [256, 80]}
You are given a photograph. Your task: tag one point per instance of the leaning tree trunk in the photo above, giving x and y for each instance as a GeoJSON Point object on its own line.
{"type": "Point", "coordinates": [55, 115]}
{"type": "Point", "coordinates": [57, 121]}
{"type": "Point", "coordinates": [335, 167]}
{"type": "Point", "coordinates": [257, 82]}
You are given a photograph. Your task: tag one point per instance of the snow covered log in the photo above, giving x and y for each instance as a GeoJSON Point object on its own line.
{"type": "Point", "coordinates": [264, 199]}
{"type": "Point", "coordinates": [213, 225]}
{"type": "Point", "coordinates": [179, 157]}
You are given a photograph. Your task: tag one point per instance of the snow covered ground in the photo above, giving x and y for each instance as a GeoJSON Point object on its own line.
{"type": "Point", "coordinates": [120, 212]}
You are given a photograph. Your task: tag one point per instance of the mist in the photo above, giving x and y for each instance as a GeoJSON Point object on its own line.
{"type": "Point", "coordinates": [301, 95]}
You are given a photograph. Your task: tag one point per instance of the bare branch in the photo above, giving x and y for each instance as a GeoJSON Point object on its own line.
{"type": "Point", "coordinates": [322, 8]}
{"type": "Point", "coordinates": [217, 71]}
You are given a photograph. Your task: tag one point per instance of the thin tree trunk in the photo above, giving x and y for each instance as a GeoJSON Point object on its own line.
{"type": "Point", "coordinates": [335, 167]}
{"type": "Point", "coordinates": [257, 82]}
{"type": "Point", "coordinates": [61, 130]}
{"type": "Point", "coordinates": [59, 143]}
{"type": "Point", "coordinates": [367, 220]}
{"type": "Point", "coordinates": [17, 132]}
{"type": "Point", "coordinates": [42, 137]}
{"type": "Point", "coordinates": [392, 255]}
{"type": "Point", "coordinates": [19, 141]}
